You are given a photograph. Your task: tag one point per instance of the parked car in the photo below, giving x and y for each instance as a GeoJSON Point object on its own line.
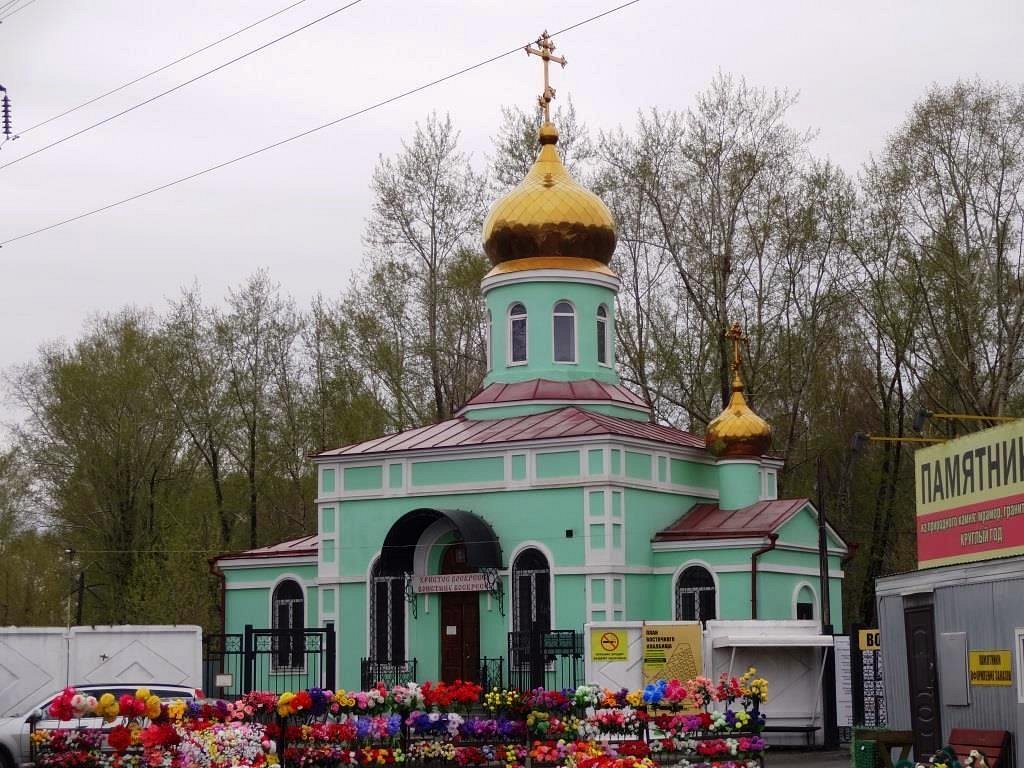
{"type": "Point", "coordinates": [14, 731]}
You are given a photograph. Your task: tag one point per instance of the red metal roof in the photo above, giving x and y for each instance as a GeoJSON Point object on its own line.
{"type": "Point", "coordinates": [707, 521]}
{"type": "Point", "coordinates": [563, 422]}
{"type": "Point", "coordinates": [546, 389]}
{"type": "Point", "coordinates": [307, 545]}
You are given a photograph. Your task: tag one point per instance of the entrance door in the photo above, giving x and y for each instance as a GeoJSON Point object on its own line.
{"type": "Point", "coordinates": [460, 623]}
{"type": "Point", "coordinates": [924, 689]}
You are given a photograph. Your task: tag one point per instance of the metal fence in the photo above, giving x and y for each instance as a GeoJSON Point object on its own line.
{"type": "Point", "coordinates": [550, 659]}
{"type": "Point", "coordinates": [373, 671]}
{"type": "Point", "coordinates": [274, 660]}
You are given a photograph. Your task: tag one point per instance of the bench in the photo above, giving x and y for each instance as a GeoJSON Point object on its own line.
{"type": "Point", "coordinates": [807, 730]}
{"type": "Point", "coordinates": [994, 745]}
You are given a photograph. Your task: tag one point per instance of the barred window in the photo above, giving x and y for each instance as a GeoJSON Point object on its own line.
{"type": "Point", "coordinates": [288, 617]}
{"type": "Point", "coordinates": [531, 592]}
{"type": "Point", "coordinates": [695, 595]}
{"type": "Point", "coordinates": [387, 616]}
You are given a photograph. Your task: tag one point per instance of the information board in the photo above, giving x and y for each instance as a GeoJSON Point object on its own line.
{"type": "Point", "coordinates": [868, 685]}
{"type": "Point", "coordinates": [671, 650]}
{"type": "Point", "coordinates": [844, 682]}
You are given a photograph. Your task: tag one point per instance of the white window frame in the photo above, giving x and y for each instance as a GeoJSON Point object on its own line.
{"type": "Point", "coordinates": [679, 574]}
{"type": "Point", "coordinates": [815, 604]}
{"type": "Point", "coordinates": [575, 335]}
{"type": "Point", "coordinates": [606, 348]}
{"type": "Point", "coordinates": [511, 319]}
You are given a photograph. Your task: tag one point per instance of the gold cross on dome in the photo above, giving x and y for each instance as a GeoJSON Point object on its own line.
{"type": "Point", "coordinates": [546, 50]}
{"type": "Point", "coordinates": [735, 335]}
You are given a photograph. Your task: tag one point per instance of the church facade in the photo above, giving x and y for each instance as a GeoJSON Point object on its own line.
{"type": "Point", "coordinates": [551, 499]}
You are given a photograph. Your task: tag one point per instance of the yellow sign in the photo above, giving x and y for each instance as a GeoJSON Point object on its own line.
{"type": "Point", "coordinates": [869, 640]}
{"type": "Point", "coordinates": [990, 668]}
{"type": "Point", "coordinates": [609, 645]}
{"type": "Point", "coordinates": [970, 497]}
{"type": "Point", "coordinates": [671, 651]}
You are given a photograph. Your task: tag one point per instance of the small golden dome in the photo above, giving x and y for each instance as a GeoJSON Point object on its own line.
{"type": "Point", "coordinates": [737, 431]}
{"type": "Point", "coordinates": [549, 215]}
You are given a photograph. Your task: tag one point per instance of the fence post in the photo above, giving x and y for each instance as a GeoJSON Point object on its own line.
{"type": "Point", "coordinates": [332, 657]}
{"type": "Point", "coordinates": [248, 660]}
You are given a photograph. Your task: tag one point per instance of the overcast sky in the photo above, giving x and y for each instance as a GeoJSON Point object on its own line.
{"type": "Point", "coordinates": [299, 210]}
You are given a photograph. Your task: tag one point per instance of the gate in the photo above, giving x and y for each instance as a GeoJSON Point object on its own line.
{"type": "Point", "coordinates": [548, 659]}
{"type": "Point", "coordinates": [275, 660]}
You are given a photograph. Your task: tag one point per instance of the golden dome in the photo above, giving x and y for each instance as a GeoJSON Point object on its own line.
{"type": "Point", "coordinates": [737, 431]}
{"type": "Point", "coordinates": [549, 215]}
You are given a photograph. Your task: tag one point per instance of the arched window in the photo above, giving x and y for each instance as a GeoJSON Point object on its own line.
{"type": "Point", "coordinates": [516, 334]}
{"type": "Point", "coordinates": [387, 616]}
{"type": "Point", "coordinates": [288, 618]}
{"type": "Point", "coordinates": [804, 603]}
{"type": "Point", "coordinates": [695, 595]}
{"type": "Point", "coordinates": [565, 332]}
{"type": "Point", "coordinates": [602, 335]}
{"type": "Point", "coordinates": [531, 595]}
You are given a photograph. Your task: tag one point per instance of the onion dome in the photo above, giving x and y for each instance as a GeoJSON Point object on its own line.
{"type": "Point", "coordinates": [738, 432]}
{"type": "Point", "coordinates": [549, 215]}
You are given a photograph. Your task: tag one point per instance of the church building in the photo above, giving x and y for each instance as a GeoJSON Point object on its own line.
{"type": "Point", "coordinates": [550, 500]}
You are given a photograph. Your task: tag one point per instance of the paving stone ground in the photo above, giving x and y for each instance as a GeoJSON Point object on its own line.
{"type": "Point", "coordinates": [792, 758]}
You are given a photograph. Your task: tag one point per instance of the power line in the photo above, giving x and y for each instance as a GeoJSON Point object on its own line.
{"type": "Point", "coordinates": [180, 85]}
{"type": "Point", "coordinates": [22, 8]}
{"type": "Point", "coordinates": [161, 69]}
{"type": "Point", "coordinates": [321, 127]}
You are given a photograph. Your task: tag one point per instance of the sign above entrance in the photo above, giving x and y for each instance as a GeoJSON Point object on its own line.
{"type": "Point", "coordinates": [970, 497]}
{"type": "Point", "coordinates": [450, 582]}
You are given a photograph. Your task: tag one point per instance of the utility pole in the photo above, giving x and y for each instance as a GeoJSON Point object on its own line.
{"type": "Point", "coordinates": [5, 116]}
{"type": "Point", "coordinates": [828, 689]}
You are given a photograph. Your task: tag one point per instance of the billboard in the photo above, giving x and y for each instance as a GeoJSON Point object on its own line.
{"type": "Point", "coordinates": [970, 497]}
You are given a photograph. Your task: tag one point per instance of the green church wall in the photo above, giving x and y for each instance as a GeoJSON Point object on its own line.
{"type": "Point", "coordinates": [646, 513]}
{"type": "Point", "coordinates": [509, 411]}
{"type": "Point", "coordinates": [557, 465]}
{"type": "Point", "coordinates": [514, 516]}
{"type": "Point", "coordinates": [540, 298]}
{"type": "Point", "coordinates": [739, 484]}
{"type": "Point", "coordinates": [489, 469]}
{"type": "Point", "coordinates": [638, 465]}
{"type": "Point", "coordinates": [693, 473]}
{"type": "Point", "coordinates": [327, 480]}
{"type": "Point", "coordinates": [363, 478]}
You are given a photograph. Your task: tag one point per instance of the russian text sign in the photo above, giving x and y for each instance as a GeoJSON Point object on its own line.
{"type": "Point", "coordinates": [990, 667]}
{"type": "Point", "coordinates": [671, 651]}
{"type": "Point", "coordinates": [450, 582]}
{"type": "Point", "coordinates": [609, 645]}
{"type": "Point", "coordinates": [970, 497]}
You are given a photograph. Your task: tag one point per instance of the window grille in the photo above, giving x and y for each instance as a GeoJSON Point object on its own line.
{"type": "Point", "coordinates": [288, 618]}
{"type": "Point", "coordinates": [695, 595]}
{"type": "Point", "coordinates": [387, 617]}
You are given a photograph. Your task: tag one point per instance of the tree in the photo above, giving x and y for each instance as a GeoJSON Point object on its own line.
{"type": "Point", "coordinates": [104, 445]}
{"type": "Point", "coordinates": [250, 335]}
{"type": "Point", "coordinates": [953, 175]}
{"type": "Point", "coordinates": [428, 207]}
{"type": "Point", "coordinates": [516, 147]}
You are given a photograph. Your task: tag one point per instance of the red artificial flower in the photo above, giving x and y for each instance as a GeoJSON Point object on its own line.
{"type": "Point", "coordinates": [302, 701]}
{"type": "Point", "coordinates": [119, 738]}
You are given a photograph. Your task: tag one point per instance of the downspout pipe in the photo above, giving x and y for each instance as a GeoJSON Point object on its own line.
{"type": "Point", "coordinates": [772, 538]}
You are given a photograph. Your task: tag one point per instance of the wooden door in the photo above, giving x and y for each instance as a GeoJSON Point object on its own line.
{"type": "Point", "coordinates": [923, 678]}
{"type": "Point", "coordinates": [460, 624]}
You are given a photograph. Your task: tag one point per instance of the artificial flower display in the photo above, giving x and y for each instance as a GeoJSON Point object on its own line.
{"type": "Point", "coordinates": [690, 724]}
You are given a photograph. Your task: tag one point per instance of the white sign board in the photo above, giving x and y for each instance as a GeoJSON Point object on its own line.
{"type": "Point", "coordinates": [844, 682]}
{"type": "Point", "coordinates": [450, 582]}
